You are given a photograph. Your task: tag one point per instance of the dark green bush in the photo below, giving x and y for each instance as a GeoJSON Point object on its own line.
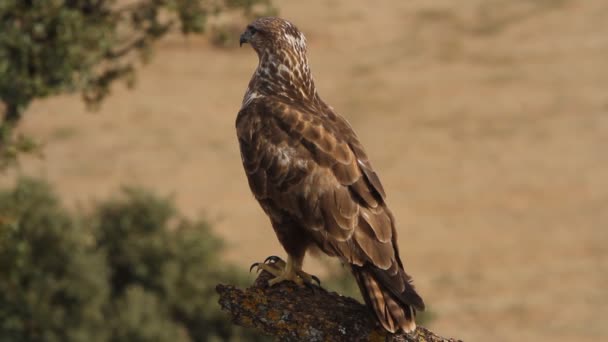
{"type": "Point", "coordinates": [133, 270]}
{"type": "Point", "coordinates": [52, 284]}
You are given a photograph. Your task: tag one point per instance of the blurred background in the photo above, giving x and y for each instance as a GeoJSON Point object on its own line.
{"type": "Point", "coordinates": [487, 121]}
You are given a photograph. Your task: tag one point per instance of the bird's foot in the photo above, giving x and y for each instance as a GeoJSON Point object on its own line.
{"type": "Point", "coordinates": [273, 265]}
{"type": "Point", "coordinates": [283, 271]}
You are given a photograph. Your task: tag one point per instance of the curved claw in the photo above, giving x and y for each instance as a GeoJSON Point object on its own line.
{"type": "Point", "coordinates": [313, 287]}
{"type": "Point", "coordinates": [255, 264]}
{"type": "Point", "coordinates": [273, 258]}
{"type": "Point", "coordinates": [316, 279]}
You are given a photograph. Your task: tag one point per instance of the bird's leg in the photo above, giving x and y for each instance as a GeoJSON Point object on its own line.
{"type": "Point", "coordinates": [290, 270]}
{"type": "Point", "coordinates": [289, 273]}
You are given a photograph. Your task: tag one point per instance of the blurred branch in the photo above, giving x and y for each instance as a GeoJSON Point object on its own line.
{"type": "Point", "coordinates": [128, 47]}
{"type": "Point", "coordinates": [290, 313]}
{"type": "Point", "coordinates": [130, 6]}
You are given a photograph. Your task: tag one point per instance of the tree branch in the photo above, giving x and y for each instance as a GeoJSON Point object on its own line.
{"type": "Point", "coordinates": [290, 313]}
{"type": "Point", "coordinates": [10, 119]}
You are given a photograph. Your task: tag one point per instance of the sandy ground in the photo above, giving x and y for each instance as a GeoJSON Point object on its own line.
{"type": "Point", "coordinates": [486, 120]}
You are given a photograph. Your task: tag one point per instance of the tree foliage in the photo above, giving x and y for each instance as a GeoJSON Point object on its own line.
{"type": "Point", "coordinates": [52, 285]}
{"type": "Point", "coordinates": [133, 270]}
{"type": "Point", "coordinates": [49, 47]}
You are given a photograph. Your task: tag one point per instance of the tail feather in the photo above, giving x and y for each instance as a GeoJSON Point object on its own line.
{"type": "Point", "coordinates": [394, 311]}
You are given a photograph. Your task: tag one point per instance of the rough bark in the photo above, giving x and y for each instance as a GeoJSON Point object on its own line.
{"type": "Point", "coordinates": [290, 313]}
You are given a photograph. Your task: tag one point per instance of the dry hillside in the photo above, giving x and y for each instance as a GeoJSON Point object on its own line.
{"type": "Point", "coordinates": [487, 121]}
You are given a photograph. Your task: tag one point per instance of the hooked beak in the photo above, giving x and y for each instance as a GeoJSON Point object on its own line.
{"type": "Point", "coordinates": [245, 37]}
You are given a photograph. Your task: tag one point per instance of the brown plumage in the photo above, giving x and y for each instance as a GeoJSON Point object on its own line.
{"type": "Point", "coordinates": [310, 174]}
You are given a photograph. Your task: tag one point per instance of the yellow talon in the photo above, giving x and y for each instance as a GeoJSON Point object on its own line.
{"type": "Point", "coordinates": [283, 271]}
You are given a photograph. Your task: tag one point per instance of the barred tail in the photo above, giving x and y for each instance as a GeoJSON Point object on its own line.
{"type": "Point", "coordinates": [392, 297]}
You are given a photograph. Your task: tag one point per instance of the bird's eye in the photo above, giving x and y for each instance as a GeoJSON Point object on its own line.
{"type": "Point", "coordinates": [253, 30]}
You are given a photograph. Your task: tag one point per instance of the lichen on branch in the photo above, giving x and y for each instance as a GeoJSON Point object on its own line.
{"type": "Point", "coordinates": [291, 313]}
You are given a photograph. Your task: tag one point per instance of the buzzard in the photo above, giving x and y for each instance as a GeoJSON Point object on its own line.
{"type": "Point", "coordinates": [311, 176]}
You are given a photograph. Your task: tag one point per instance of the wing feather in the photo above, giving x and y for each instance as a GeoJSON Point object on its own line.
{"type": "Point", "coordinates": [357, 226]}
{"type": "Point", "coordinates": [377, 224]}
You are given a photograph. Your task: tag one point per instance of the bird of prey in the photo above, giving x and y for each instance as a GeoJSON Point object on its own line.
{"type": "Point", "coordinates": [312, 177]}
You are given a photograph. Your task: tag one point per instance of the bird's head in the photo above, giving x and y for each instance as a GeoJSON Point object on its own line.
{"type": "Point", "coordinates": [283, 66]}
{"type": "Point", "coordinates": [272, 35]}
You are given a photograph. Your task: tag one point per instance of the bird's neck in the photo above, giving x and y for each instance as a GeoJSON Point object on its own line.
{"type": "Point", "coordinates": [282, 75]}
